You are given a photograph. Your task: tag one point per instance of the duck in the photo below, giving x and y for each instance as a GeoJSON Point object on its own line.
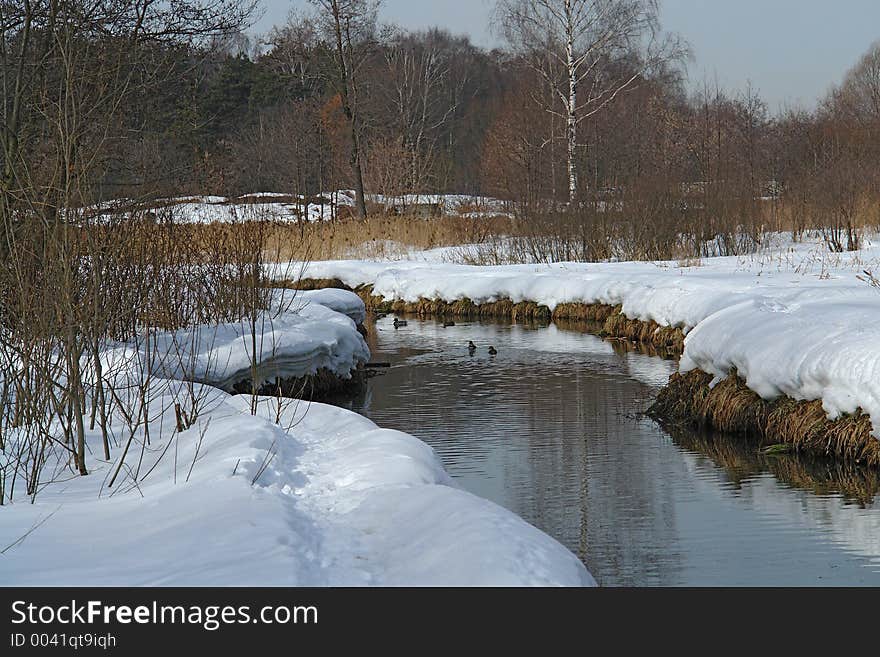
{"type": "Point", "coordinates": [492, 351]}
{"type": "Point", "coordinates": [471, 347]}
{"type": "Point", "coordinates": [448, 324]}
{"type": "Point", "coordinates": [399, 322]}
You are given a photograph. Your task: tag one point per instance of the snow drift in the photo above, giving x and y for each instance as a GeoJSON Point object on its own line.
{"type": "Point", "coordinates": [293, 494]}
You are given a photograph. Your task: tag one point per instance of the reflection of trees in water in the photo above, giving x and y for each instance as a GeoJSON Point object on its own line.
{"type": "Point", "coordinates": [594, 477]}
{"type": "Point", "coordinates": [742, 460]}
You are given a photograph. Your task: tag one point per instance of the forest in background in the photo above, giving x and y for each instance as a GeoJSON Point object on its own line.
{"type": "Point", "coordinates": [338, 99]}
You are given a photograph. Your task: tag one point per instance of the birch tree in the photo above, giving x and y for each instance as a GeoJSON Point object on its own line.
{"type": "Point", "coordinates": [572, 45]}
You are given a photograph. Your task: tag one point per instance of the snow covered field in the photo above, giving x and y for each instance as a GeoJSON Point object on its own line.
{"type": "Point", "coordinates": [794, 319]}
{"type": "Point", "coordinates": [295, 494]}
{"type": "Point", "coordinates": [267, 206]}
{"type": "Point", "coordinates": [274, 206]}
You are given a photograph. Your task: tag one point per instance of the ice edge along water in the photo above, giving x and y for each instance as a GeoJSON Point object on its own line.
{"type": "Point", "coordinates": [301, 494]}
{"type": "Point", "coordinates": [792, 320]}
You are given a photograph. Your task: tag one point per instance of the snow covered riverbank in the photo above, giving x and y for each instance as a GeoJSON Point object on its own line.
{"type": "Point", "coordinates": [795, 320]}
{"type": "Point", "coordinates": [293, 494]}
{"type": "Point", "coordinates": [298, 335]}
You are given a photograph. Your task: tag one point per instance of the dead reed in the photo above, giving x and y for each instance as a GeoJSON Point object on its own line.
{"type": "Point", "coordinates": [378, 236]}
{"type": "Point", "coordinates": [732, 407]}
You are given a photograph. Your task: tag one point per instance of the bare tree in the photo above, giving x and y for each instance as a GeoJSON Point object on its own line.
{"type": "Point", "coordinates": [858, 98]}
{"type": "Point", "coordinates": [291, 53]}
{"type": "Point", "coordinates": [517, 162]}
{"type": "Point", "coordinates": [72, 73]}
{"type": "Point", "coordinates": [349, 24]}
{"type": "Point", "coordinates": [572, 44]}
{"type": "Point", "coordinates": [424, 93]}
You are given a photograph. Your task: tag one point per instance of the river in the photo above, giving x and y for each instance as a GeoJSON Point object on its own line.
{"type": "Point", "coordinates": [552, 428]}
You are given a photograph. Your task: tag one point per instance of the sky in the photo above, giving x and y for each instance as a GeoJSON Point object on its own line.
{"type": "Point", "coordinates": [791, 51]}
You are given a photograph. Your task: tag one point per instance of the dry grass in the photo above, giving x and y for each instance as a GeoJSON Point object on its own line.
{"type": "Point", "coordinates": [585, 312]}
{"type": "Point", "coordinates": [313, 284]}
{"type": "Point", "coordinates": [493, 240]}
{"type": "Point", "coordinates": [618, 325]}
{"type": "Point", "coordinates": [732, 407]}
{"type": "Point", "coordinates": [502, 239]}
{"type": "Point", "coordinates": [379, 236]}
{"type": "Point", "coordinates": [467, 309]}
{"type": "Point", "coordinates": [797, 217]}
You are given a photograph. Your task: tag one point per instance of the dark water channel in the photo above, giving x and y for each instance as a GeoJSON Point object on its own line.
{"type": "Point", "coordinates": [551, 428]}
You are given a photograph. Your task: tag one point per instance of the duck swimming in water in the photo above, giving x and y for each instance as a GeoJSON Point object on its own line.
{"type": "Point", "coordinates": [448, 324]}
{"type": "Point", "coordinates": [399, 322]}
{"type": "Point", "coordinates": [492, 351]}
{"type": "Point", "coordinates": [471, 347]}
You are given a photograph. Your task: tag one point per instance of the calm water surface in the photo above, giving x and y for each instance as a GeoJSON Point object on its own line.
{"type": "Point", "coordinates": [551, 428]}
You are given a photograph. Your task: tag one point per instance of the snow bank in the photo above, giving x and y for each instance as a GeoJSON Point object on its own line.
{"type": "Point", "coordinates": [342, 502]}
{"type": "Point", "coordinates": [300, 334]}
{"type": "Point", "coordinates": [303, 494]}
{"type": "Point", "coordinates": [474, 207]}
{"type": "Point", "coordinates": [265, 206]}
{"type": "Point", "coordinates": [391, 489]}
{"type": "Point", "coordinates": [807, 346]}
{"type": "Point", "coordinates": [342, 301]}
{"type": "Point", "coordinates": [795, 320]}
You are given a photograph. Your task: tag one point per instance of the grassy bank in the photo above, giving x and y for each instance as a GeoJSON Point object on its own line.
{"type": "Point", "coordinates": [609, 320]}
{"type": "Point", "coordinates": [733, 408]}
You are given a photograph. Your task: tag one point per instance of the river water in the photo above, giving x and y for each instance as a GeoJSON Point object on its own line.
{"type": "Point", "coordinates": [552, 428]}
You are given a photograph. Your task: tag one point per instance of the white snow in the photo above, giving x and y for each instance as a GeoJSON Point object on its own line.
{"type": "Point", "coordinates": [794, 320]}
{"type": "Point", "coordinates": [474, 207]}
{"type": "Point", "coordinates": [297, 494]}
{"type": "Point", "coordinates": [342, 301]}
{"type": "Point", "coordinates": [280, 207]}
{"type": "Point", "coordinates": [264, 206]}
{"type": "Point", "coordinates": [299, 334]}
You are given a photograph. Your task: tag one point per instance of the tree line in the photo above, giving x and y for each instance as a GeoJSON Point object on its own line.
{"type": "Point", "coordinates": [585, 110]}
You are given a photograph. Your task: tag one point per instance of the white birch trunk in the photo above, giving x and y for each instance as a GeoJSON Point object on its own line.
{"type": "Point", "coordinates": [571, 109]}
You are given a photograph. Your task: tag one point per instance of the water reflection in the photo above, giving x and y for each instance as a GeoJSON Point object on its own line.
{"type": "Point", "coordinates": [551, 428]}
{"type": "Point", "coordinates": [742, 460]}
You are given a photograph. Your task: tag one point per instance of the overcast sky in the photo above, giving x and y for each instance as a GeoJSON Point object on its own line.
{"type": "Point", "coordinates": [790, 50]}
